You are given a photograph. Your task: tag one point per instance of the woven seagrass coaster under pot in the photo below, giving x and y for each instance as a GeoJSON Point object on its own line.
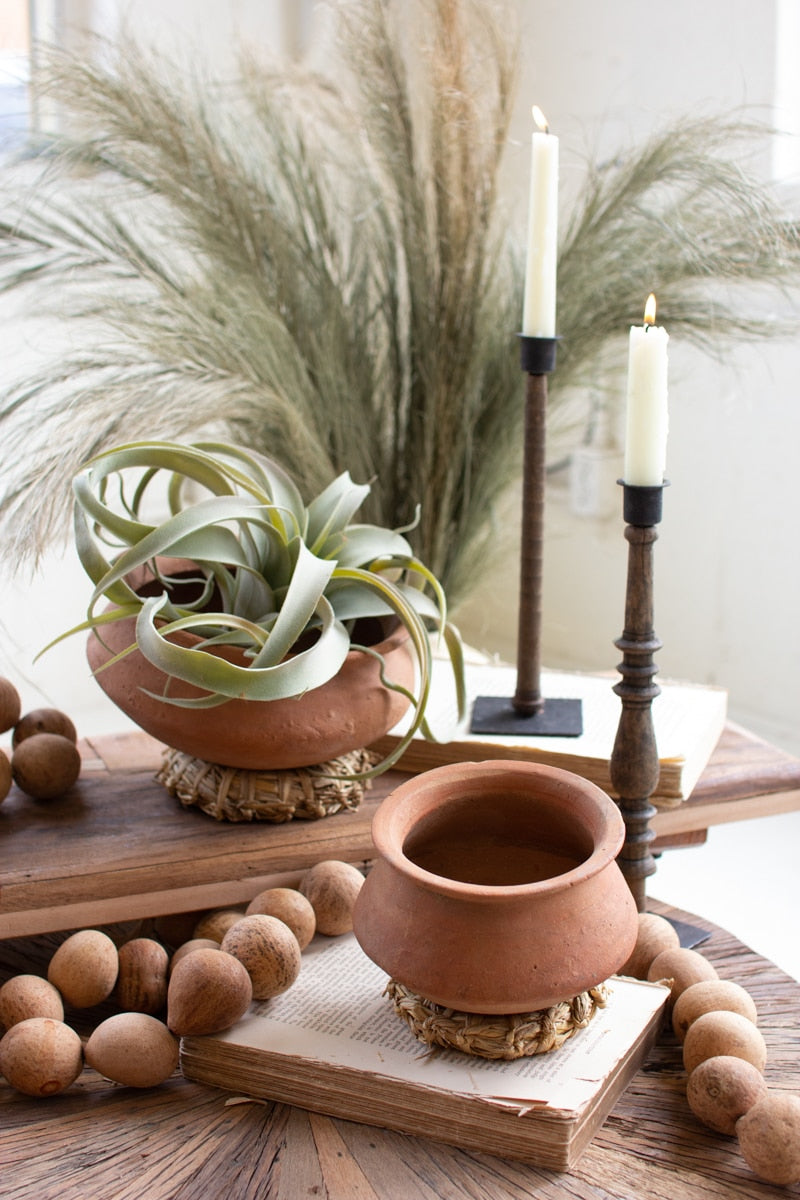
{"type": "Point", "coordinates": [238, 794]}
{"type": "Point", "coordinates": [508, 1036]}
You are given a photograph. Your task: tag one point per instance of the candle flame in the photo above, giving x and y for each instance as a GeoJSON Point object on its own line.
{"type": "Point", "coordinates": [650, 310]}
{"type": "Point", "coordinates": [540, 119]}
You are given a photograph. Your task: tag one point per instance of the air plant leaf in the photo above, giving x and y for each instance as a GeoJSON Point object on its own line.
{"type": "Point", "coordinates": [269, 478]}
{"type": "Point", "coordinates": [332, 510]}
{"type": "Point", "coordinates": [353, 602]}
{"type": "Point", "coordinates": [218, 677]}
{"type": "Point", "coordinates": [363, 543]}
{"type": "Point", "coordinates": [301, 602]}
{"type": "Point", "coordinates": [196, 533]}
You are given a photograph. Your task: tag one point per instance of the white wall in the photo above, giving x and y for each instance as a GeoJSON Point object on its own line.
{"type": "Point", "coordinates": [727, 561]}
{"type": "Point", "coordinates": [728, 556]}
{"type": "Point", "coordinates": [278, 26]}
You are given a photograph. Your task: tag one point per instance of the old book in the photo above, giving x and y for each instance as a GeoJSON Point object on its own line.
{"type": "Point", "coordinates": [333, 1044]}
{"type": "Point", "coordinates": [688, 720]}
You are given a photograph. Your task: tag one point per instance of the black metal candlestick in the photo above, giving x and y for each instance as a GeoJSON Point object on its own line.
{"type": "Point", "coordinates": [528, 713]}
{"type": "Point", "coordinates": [634, 764]}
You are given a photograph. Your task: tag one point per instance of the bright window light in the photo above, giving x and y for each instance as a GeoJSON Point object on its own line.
{"type": "Point", "coordinates": [15, 46]}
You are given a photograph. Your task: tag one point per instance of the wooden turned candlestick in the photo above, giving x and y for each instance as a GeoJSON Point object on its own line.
{"type": "Point", "coordinates": [634, 764]}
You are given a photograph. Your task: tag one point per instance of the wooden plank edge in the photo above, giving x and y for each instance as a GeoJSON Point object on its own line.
{"type": "Point", "coordinates": [679, 841]}
{"type": "Point", "coordinates": [702, 816]}
{"type": "Point", "coordinates": [91, 913]}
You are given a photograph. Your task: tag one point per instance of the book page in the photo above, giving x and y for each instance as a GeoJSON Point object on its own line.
{"type": "Point", "coordinates": [681, 712]}
{"type": "Point", "coordinates": [336, 1013]}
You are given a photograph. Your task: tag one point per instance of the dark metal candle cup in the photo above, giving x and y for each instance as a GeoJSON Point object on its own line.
{"type": "Point", "coordinates": [537, 355]}
{"type": "Point", "coordinates": [642, 504]}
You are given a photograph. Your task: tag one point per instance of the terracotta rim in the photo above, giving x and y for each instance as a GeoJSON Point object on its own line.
{"type": "Point", "coordinates": [396, 818]}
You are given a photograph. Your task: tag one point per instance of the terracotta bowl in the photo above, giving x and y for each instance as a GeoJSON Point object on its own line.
{"type": "Point", "coordinates": [496, 887]}
{"type": "Point", "coordinates": [347, 713]}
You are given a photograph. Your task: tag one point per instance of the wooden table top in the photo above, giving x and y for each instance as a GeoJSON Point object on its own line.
{"type": "Point", "coordinates": [119, 847]}
{"type": "Point", "coordinates": [182, 1141]}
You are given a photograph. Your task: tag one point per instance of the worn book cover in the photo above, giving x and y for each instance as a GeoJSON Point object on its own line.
{"type": "Point", "coordinates": [687, 718]}
{"type": "Point", "coordinates": [334, 1044]}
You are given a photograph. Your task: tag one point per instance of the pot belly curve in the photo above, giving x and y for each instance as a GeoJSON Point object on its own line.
{"type": "Point", "coordinates": [497, 947]}
{"type": "Point", "coordinates": [347, 713]}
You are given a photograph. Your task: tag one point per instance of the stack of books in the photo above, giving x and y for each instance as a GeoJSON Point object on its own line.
{"type": "Point", "coordinates": [688, 720]}
{"type": "Point", "coordinates": [333, 1044]}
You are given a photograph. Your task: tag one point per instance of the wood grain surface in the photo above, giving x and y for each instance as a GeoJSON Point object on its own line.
{"type": "Point", "coordinates": [119, 847]}
{"type": "Point", "coordinates": [182, 1141]}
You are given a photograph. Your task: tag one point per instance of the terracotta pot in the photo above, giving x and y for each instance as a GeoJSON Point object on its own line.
{"type": "Point", "coordinates": [496, 888]}
{"type": "Point", "coordinates": [347, 713]}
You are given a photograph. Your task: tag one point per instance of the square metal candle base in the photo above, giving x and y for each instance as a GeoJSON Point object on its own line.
{"type": "Point", "coordinates": [690, 935]}
{"type": "Point", "coordinates": [496, 714]}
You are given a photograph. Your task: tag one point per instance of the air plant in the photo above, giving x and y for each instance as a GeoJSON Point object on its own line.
{"type": "Point", "coordinates": [290, 585]}
{"type": "Point", "coordinates": [320, 266]}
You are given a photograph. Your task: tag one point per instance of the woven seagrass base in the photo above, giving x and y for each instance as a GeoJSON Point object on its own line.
{"type": "Point", "coordinates": [515, 1035]}
{"type": "Point", "coordinates": [236, 794]}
